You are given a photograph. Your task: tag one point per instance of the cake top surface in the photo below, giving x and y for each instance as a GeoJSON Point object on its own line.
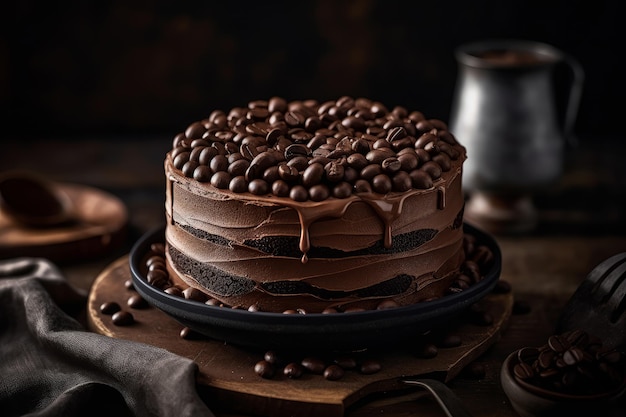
{"type": "Point", "coordinates": [306, 150]}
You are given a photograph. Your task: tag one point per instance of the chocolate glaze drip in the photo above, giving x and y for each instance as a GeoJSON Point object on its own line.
{"type": "Point", "coordinates": [388, 207]}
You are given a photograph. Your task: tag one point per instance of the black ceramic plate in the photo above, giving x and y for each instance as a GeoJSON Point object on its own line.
{"type": "Point", "coordinates": [342, 331]}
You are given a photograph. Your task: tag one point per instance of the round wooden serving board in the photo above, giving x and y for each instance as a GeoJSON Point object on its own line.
{"type": "Point", "coordinates": [101, 225]}
{"type": "Point", "coordinates": [227, 379]}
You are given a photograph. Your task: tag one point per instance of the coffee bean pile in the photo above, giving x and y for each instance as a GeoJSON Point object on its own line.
{"type": "Point", "coordinates": [571, 363]}
{"type": "Point", "coordinates": [306, 150]}
{"type": "Point", "coordinates": [478, 259]}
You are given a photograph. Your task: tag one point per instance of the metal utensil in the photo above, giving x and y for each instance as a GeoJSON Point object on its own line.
{"type": "Point", "coordinates": [598, 305]}
{"type": "Point", "coordinates": [447, 400]}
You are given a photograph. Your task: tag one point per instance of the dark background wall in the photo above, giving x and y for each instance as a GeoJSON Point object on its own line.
{"type": "Point", "coordinates": [122, 67]}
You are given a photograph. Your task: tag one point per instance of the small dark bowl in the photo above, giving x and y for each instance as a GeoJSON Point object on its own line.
{"type": "Point", "coordinates": [342, 331]}
{"type": "Point", "coordinates": [531, 401]}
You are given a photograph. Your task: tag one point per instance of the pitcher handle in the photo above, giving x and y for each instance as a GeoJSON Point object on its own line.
{"type": "Point", "coordinates": [573, 101]}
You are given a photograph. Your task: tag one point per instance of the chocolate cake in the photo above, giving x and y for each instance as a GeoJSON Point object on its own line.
{"type": "Point", "coordinates": [310, 207]}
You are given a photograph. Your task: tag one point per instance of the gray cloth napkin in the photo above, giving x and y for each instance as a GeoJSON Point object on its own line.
{"type": "Point", "coordinates": [51, 366]}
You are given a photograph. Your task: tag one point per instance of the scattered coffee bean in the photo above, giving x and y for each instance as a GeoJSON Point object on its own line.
{"type": "Point", "coordinates": [189, 334]}
{"type": "Point", "coordinates": [333, 372]}
{"type": "Point", "coordinates": [264, 369]}
{"type": "Point", "coordinates": [110, 308]}
{"type": "Point", "coordinates": [123, 318]}
{"type": "Point", "coordinates": [273, 357]}
{"type": "Point", "coordinates": [137, 301]}
{"type": "Point", "coordinates": [314, 365]}
{"type": "Point", "coordinates": [293, 370]}
{"type": "Point", "coordinates": [369, 367]}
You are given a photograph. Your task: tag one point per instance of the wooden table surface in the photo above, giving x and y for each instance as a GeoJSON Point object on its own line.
{"type": "Point", "coordinates": [582, 221]}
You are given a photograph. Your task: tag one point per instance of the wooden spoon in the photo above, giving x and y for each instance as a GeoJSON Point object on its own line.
{"type": "Point", "coordinates": [32, 201]}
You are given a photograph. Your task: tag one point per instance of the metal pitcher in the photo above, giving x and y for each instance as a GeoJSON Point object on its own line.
{"type": "Point", "coordinates": [506, 112]}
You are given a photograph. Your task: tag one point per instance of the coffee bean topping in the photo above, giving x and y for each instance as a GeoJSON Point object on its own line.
{"type": "Point", "coordinates": [313, 144]}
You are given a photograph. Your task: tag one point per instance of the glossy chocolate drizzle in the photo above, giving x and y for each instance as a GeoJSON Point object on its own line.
{"type": "Point", "coordinates": [388, 208]}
